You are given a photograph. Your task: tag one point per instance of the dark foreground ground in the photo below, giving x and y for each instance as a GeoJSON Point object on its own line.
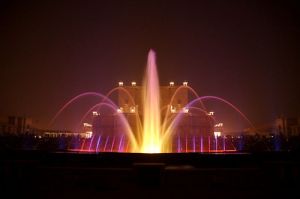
{"type": "Point", "coordinates": [29, 174]}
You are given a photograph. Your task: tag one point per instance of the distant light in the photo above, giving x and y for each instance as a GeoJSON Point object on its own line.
{"type": "Point", "coordinates": [211, 113]}
{"type": "Point", "coordinates": [133, 83]}
{"type": "Point", "coordinates": [40, 137]}
{"type": "Point", "coordinates": [121, 84]}
{"type": "Point", "coordinates": [173, 109]}
{"type": "Point", "coordinates": [171, 83]}
{"type": "Point", "coordinates": [185, 110]}
{"type": "Point", "coordinates": [132, 109]}
{"type": "Point", "coordinates": [120, 110]}
{"type": "Point", "coordinates": [89, 134]}
{"type": "Point", "coordinates": [185, 83]}
{"type": "Point", "coordinates": [95, 113]}
{"type": "Point", "coordinates": [217, 134]}
{"type": "Point", "coordinates": [219, 125]}
{"type": "Point", "coordinates": [87, 125]}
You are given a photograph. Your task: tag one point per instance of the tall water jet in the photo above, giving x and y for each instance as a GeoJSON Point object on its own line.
{"type": "Point", "coordinates": [151, 141]}
{"type": "Point", "coordinates": [157, 124]}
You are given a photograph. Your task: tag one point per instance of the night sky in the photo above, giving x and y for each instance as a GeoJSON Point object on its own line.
{"type": "Point", "coordinates": [244, 51]}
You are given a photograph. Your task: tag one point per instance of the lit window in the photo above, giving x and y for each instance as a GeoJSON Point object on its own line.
{"type": "Point", "coordinates": [185, 110]}
{"type": "Point", "coordinates": [173, 109]}
{"type": "Point", "coordinates": [132, 109]}
{"type": "Point", "coordinates": [121, 84]}
{"type": "Point", "coordinates": [171, 83]}
{"type": "Point", "coordinates": [87, 125]}
{"type": "Point", "coordinates": [211, 113]}
{"type": "Point", "coordinates": [217, 134]}
{"type": "Point", "coordinates": [89, 134]}
{"type": "Point", "coordinates": [219, 125]}
{"type": "Point", "coordinates": [95, 113]}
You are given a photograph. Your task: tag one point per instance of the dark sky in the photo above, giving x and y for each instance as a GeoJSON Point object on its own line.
{"type": "Point", "coordinates": [244, 51]}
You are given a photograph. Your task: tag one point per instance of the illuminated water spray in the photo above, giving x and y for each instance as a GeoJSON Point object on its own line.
{"type": "Point", "coordinates": [151, 100]}
{"type": "Point", "coordinates": [157, 131]}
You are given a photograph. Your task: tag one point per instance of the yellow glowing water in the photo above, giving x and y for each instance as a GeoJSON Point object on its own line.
{"type": "Point", "coordinates": [151, 136]}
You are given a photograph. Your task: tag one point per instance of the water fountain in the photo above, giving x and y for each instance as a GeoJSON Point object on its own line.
{"type": "Point", "coordinates": [156, 127]}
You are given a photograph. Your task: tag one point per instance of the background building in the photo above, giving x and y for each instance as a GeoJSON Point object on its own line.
{"type": "Point", "coordinates": [284, 126]}
{"type": "Point", "coordinates": [287, 126]}
{"type": "Point", "coordinates": [193, 124]}
{"type": "Point", "coordinates": [17, 125]}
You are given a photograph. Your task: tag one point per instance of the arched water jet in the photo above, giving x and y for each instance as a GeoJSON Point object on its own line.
{"type": "Point", "coordinates": [128, 129]}
{"type": "Point", "coordinates": [222, 100]}
{"type": "Point", "coordinates": [138, 120]}
{"type": "Point", "coordinates": [173, 124]}
{"type": "Point", "coordinates": [172, 99]}
{"type": "Point", "coordinates": [152, 135]}
{"type": "Point", "coordinates": [74, 99]}
{"type": "Point", "coordinates": [174, 119]}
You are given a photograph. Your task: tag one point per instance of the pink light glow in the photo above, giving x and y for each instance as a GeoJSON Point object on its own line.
{"type": "Point", "coordinates": [156, 132]}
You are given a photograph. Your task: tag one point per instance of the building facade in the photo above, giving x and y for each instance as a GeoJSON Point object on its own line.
{"type": "Point", "coordinates": [17, 125]}
{"type": "Point", "coordinates": [193, 126]}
